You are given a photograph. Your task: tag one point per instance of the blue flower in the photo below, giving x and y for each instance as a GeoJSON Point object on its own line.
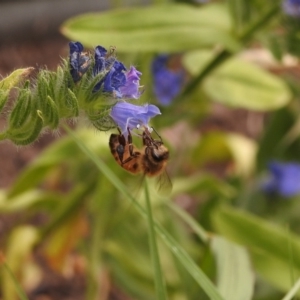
{"type": "Point", "coordinates": [284, 179]}
{"type": "Point", "coordinates": [167, 82]}
{"type": "Point", "coordinates": [291, 7]}
{"type": "Point", "coordinates": [115, 76]}
{"type": "Point", "coordinates": [79, 62]}
{"type": "Point", "coordinates": [130, 116]}
{"type": "Point", "coordinates": [132, 85]}
{"type": "Point", "coordinates": [103, 61]}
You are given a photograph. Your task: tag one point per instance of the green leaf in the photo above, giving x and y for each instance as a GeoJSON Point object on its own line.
{"type": "Point", "coordinates": [235, 277]}
{"type": "Point", "coordinates": [272, 247]}
{"type": "Point", "coordinates": [238, 83]}
{"type": "Point", "coordinates": [293, 291]}
{"type": "Point", "coordinates": [21, 110]}
{"type": "Point", "coordinates": [72, 103]}
{"type": "Point", "coordinates": [280, 139]}
{"type": "Point", "coordinates": [28, 134]}
{"type": "Point", "coordinates": [267, 266]}
{"type": "Point", "coordinates": [162, 28]}
{"type": "Point", "coordinates": [201, 233]}
{"type": "Point", "coordinates": [6, 271]}
{"type": "Point", "coordinates": [3, 98]}
{"type": "Point", "coordinates": [14, 78]}
{"type": "Point", "coordinates": [239, 11]}
{"type": "Point", "coordinates": [27, 236]}
{"type": "Point", "coordinates": [26, 200]}
{"type": "Point", "coordinates": [51, 115]}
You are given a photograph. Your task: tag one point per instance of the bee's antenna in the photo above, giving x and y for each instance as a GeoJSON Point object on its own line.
{"type": "Point", "coordinates": [157, 134]}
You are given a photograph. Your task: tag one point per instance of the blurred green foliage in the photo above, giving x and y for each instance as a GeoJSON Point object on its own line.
{"type": "Point", "coordinates": [218, 235]}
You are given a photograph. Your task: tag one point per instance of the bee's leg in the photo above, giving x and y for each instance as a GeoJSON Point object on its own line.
{"type": "Point", "coordinates": [120, 151]}
{"type": "Point", "coordinates": [128, 159]}
{"type": "Point", "coordinates": [129, 140]}
{"type": "Point", "coordinates": [130, 145]}
{"type": "Point", "coordinates": [147, 141]}
{"type": "Point", "coordinates": [130, 148]}
{"type": "Point", "coordinates": [121, 147]}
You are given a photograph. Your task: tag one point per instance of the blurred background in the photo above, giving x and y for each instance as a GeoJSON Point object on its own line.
{"type": "Point", "coordinates": [225, 75]}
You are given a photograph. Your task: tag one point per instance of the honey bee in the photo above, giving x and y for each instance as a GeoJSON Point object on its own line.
{"type": "Point", "coordinates": [151, 160]}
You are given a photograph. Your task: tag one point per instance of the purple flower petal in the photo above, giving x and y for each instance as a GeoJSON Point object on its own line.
{"type": "Point", "coordinates": [115, 78]}
{"type": "Point", "coordinates": [79, 62]}
{"type": "Point", "coordinates": [167, 82]}
{"type": "Point", "coordinates": [131, 87]}
{"type": "Point", "coordinates": [100, 53]}
{"type": "Point", "coordinates": [284, 179]}
{"type": "Point", "coordinates": [127, 115]}
{"type": "Point", "coordinates": [291, 7]}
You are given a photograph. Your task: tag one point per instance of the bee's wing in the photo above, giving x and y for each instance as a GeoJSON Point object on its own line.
{"type": "Point", "coordinates": [164, 184]}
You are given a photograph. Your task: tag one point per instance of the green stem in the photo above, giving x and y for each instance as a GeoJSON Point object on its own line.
{"type": "Point", "coordinates": [94, 289]}
{"type": "Point", "coordinates": [224, 54]}
{"type": "Point", "coordinates": [212, 65]}
{"type": "Point", "coordinates": [158, 278]}
{"type": "Point", "coordinates": [260, 23]}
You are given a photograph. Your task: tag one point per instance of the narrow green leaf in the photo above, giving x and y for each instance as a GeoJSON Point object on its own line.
{"type": "Point", "coordinates": [253, 232]}
{"type": "Point", "coordinates": [14, 78]}
{"type": "Point", "coordinates": [235, 277]}
{"type": "Point", "coordinates": [42, 92]}
{"type": "Point", "coordinates": [292, 293]}
{"type": "Point", "coordinates": [51, 115]}
{"type": "Point", "coordinates": [15, 257]}
{"type": "Point", "coordinates": [72, 103]}
{"type": "Point", "coordinates": [202, 234]}
{"type": "Point", "coordinates": [177, 250]}
{"type": "Point", "coordinates": [160, 288]}
{"type": "Point", "coordinates": [3, 98]}
{"type": "Point", "coordinates": [26, 136]}
{"type": "Point", "coordinates": [21, 110]}
{"type": "Point", "coordinates": [161, 28]}
{"type": "Point", "coordinates": [33, 199]}
{"type": "Point", "coordinates": [19, 290]}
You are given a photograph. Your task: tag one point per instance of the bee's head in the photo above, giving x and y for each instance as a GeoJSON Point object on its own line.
{"type": "Point", "coordinates": [159, 152]}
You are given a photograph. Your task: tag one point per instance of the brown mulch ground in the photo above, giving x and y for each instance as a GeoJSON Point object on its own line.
{"type": "Point", "coordinates": [37, 54]}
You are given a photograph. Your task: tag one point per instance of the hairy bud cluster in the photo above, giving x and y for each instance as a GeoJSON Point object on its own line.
{"type": "Point", "coordinates": [86, 84]}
